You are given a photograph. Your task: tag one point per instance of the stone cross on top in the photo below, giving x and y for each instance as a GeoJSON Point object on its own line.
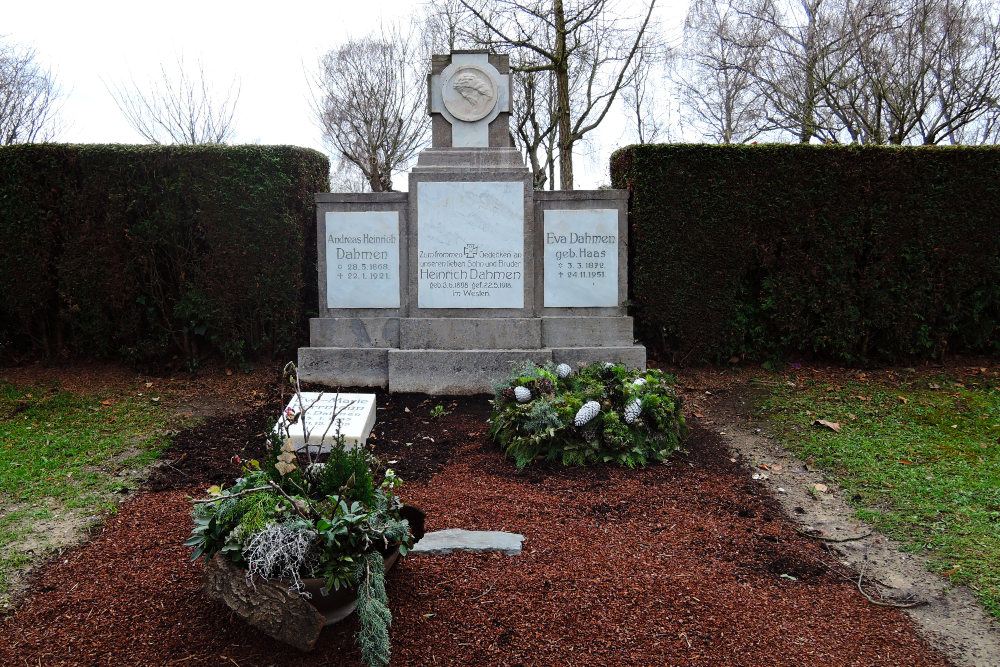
{"type": "Point", "coordinates": [469, 100]}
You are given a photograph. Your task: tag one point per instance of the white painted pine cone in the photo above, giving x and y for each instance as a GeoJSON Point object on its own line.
{"type": "Point", "coordinates": [563, 370]}
{"type": "Point", "coordinates": [589, 410]}
{"type": "Point", "coordinates": [632, 410]}
{"type": "Point", "coordinates": [639, 382]}
{"type": "Point", "coordinates": [522, 394]}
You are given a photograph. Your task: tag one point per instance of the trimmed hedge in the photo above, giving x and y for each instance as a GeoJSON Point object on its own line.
{"type": "Point", "coordinates": [852, 253]}
{"type": "Point", "coordinates": [148, 251]}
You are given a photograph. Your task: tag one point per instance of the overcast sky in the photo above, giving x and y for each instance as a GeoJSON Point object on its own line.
{"type": "Point", "coordinates": [270, 47]}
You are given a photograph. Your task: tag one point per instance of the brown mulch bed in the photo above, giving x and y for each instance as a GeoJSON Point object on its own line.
{"type": "Point", "coordinates": [685, 563]}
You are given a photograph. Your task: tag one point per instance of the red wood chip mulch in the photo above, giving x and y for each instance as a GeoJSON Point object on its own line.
{"type": "Point", "coordinates": [676, 564]}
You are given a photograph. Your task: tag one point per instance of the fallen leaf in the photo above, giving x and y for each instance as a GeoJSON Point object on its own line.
{"type": "Point", "coordinates": [229, 372]}
{"type": "Point", "coordinates": [904, 399]}
{"type": "Point", "coordinates": [699, 415]}
{"type": "Point", "coordinates": [107, 402]}
{"type": "Point", "coordinates": [821, 488]}
{"type": "Point", "coordinates": [833, 426]}
{"type": "Point", "coordinates": [952, 571]}
{"type": "Point", "coordinates": [775, 468]}
{"type": "Point", "coordinates": [933, 386]}
{"type": "Point", "coordinates": [906, 461]}
{"type": "Point", "coordinates": [789, 577]}
{"type": "Point", "coordinates": [853, 417]}
{"type": "Point", "coordinates": [149, 384]}
{"type": "Point", "coordinates": [406, 409]}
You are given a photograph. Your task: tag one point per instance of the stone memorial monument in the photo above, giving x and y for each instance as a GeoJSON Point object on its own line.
{"type": "Point", "coordinates": [438, 289]}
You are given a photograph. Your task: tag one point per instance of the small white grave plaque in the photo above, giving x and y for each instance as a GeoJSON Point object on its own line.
{"type": "Point", "coordinates": [581, 258]}
{"type": "Point", "coordinates": [362, 259]}
{"type": "Point", "coordinates": [470, 245]}
{"type": "Point", "coordinates": [355, 412]}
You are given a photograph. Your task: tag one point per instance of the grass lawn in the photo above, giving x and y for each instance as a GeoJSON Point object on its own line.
{"type": "Point", "coordinates": [919, 457]}
{"type": "Point", "coordinates": [62, 456]}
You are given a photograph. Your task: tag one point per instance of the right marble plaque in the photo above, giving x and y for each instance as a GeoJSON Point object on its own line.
{"type": "Point", "coordinates": [581, 258]}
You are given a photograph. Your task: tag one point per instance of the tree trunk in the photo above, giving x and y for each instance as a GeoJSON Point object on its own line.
{"type": "Point", "coordinates": [562, 98]}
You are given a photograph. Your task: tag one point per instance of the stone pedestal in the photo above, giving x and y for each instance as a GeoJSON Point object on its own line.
{"type": "Point", "coordinates": [441, 288]}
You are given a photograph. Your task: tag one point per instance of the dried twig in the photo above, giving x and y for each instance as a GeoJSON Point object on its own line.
{"type": "Point", "coordinates": [230, 495]}
{"type": "Point", "coordinates": [833, 539]}
{"type": "Point", "coordinates": [881, 603]}
{"type": "Point", "coordinates": [909, 604]}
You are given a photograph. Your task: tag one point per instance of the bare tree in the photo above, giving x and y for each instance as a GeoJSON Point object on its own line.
{"type": "Point", "coordinates": [586, 45]}
{"type": "Point", "coordinates": [724, 52]}
{"type": "Point", "coordinates": [27, 97]}
{"type": "Point", "coordinates": [372, 104]}
{"type": "Point", "coordinates": [179, 108]}
{"type": "Point", "coordinates": [646, 106]}
{"type": "Point", "coordinates": [866, 71]}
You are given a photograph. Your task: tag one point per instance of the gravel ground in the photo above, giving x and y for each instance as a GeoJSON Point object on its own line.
{"type": "Point", "coordinates": [690, 562]}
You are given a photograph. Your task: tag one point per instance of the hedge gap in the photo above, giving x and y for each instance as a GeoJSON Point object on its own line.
{"type": "Point", "coordinates": [145, 252]}
{"type": "Point", "coordinates": [851, 253]}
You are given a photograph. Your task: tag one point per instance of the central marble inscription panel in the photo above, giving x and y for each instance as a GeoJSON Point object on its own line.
{"type": "Point", "coordinates": [470, 244]}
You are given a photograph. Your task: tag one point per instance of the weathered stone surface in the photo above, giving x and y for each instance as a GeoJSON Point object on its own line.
{"type": "Point", "coordinates": [587, 332]}
{"type": "Point", "coordinates": [461, 333]}
{"type": "Point", "coordinates": [454, 371]}
{"type": "Point", "coordinates": [354, 331]}
{"type": "Point", "coordinates": [269, 607]}
{"type": "Point", "coordinates": [344, 367]}
{"type": "Point", "coordinates": [457, 539]}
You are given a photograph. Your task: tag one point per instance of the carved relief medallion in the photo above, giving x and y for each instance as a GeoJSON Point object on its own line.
{"type": "Point", "coordinates": [470, 93]}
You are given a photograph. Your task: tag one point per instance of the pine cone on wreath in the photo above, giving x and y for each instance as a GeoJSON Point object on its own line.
{"type": "Point", "coordinates": [523, 394]}
{"type": "Point", "coordinates": [563, 371]}
{"type": "Point", "coordinates": [545, 386]}
{"type": "Point", "coordinates": [632, 410]}
{"type": "Point", "coordinates": [589, 410]}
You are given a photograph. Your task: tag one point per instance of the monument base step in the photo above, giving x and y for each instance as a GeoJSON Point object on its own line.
{"type": "Point", "coordinates": [437, 371]}
{"type": "Point", "coordinates": [470, 333]}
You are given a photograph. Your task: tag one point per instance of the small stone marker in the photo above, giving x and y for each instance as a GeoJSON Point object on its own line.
{"type": "Point", "coordinates": [479, 541]}
{"type": "Point", "coordinates": [355, 412]}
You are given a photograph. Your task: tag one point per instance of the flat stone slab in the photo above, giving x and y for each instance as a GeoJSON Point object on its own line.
{"type": "Point", "coordinates": [479, 541]}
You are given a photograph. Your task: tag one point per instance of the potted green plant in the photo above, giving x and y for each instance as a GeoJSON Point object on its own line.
{"type": "Point", "coordinates": [302, 538]}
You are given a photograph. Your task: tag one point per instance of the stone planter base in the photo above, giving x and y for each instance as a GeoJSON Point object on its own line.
{"type": "Point", "coordinates": [269, 606]}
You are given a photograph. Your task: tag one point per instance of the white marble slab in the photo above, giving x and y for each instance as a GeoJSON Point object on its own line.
{"type": "Point", "coordinates": [581, 258]}
{"type": "Point", "coordinates": [354, 412]}
{"type": "Point", "coordinates": [362, 259]}
{"type": "Point", "coordinates": [470, 244]}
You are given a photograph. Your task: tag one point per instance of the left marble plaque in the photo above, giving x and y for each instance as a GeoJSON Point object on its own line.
{"type": "Point", "coordinates": [362, 259]}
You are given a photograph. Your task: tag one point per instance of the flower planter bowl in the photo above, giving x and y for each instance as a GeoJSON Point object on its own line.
{"type": "Point", "coordinates": [283, 614]}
